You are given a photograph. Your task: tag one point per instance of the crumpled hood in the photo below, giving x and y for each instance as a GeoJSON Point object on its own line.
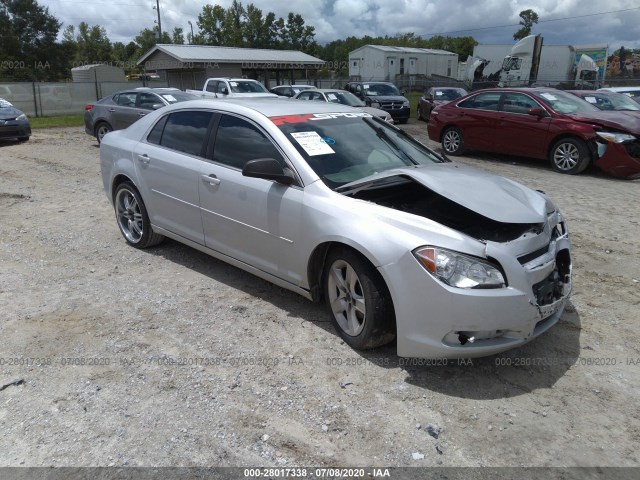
{"type": "Point", "coordinates": [489, 195]}
{"type": "Point", "coordinates": [9, 113]}
{"type": "Point", "coordinates": [625, 121]}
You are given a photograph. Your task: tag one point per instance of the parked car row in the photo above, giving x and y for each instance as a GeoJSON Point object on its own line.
{"type": "Point", "coordinates": [121, 109]}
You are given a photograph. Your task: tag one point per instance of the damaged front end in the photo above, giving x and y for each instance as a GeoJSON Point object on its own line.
{"type": "Point", "coordinates": [618, 154]}
{"type": "Point", "coordinates": [480, 305]}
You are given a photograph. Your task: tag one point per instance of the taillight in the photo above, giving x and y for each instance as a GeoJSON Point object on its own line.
{"type": "Point", "coordinates": [89, 106]}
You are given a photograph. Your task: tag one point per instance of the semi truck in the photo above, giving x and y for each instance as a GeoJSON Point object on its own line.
{"type": "Point", "coordinates": [529, 62]}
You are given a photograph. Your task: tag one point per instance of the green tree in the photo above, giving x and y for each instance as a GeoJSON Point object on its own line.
{"type": "Point", "coordinates": [148, 38]}
{"type": "Point", "coordinates": [211, 25]}
{"type": "Point", "coordinates": [177, 37]}
{"type": "Point", "coordinates": [28, 35]}
{"type": "Point", "coordinates": [528, 18]}
{"type": "Point", "coordinates": [93, 44]}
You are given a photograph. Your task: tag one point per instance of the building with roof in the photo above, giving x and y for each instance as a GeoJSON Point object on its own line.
{"type": "Point", "coordinates": [386, 63]}
{"type": "Point", "coordinates": [188, 66]}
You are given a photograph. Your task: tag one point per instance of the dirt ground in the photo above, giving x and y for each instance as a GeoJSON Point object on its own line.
{"type": "Point", "coordinates": [110, 356]}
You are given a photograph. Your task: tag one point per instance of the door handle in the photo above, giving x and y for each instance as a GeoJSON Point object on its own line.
{"type": "Point", "coordinates": [141, 114]}
{"type": "Point", "coordinates": [144, 159]}
{"type": "Point", "coordinates": [211, 179]}
{"type": "Point", "coordinates": [112, 110]}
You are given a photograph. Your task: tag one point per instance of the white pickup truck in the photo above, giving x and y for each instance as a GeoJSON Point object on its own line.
{"type": "Point", "coordinates": [232, 88]}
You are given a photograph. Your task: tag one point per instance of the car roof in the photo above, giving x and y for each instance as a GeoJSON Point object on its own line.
{"type": "Point", "coordinates": [619, 89]}
{"type": "Point", "coordinates": [269, 107]}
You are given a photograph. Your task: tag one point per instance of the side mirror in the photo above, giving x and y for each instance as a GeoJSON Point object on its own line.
{"type": "Point", "coordinates": [537, 112]}
{"type": "Point", "coordinates": [267, 168]}
{"type": "Point", "coordinates": [224, 91]}
{"type": "Point", "coordinates": [403, 92]}
{"type": "Point", "coordinates": [156, 106]}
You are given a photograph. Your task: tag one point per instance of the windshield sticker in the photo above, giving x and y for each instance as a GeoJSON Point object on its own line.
{"type": "Point", "coordinates": [591, 99]}
{"type": "Point", "coordinates": [170, 98]}
{"type": "Point", "coordinates": [233, 84]}
{"type": "Point", "coordinates": [328, 140]}
{"type": "Point", "coordinates": [439, 94]}
{"type": "Point", "coordinates": [285, 119]}
{"type": "Point", "coordinates": [332, 96]}
{"type": "Point", "coordinates": [549, 96]}
{"type": "Point", "coordinates": [365, 86]}
{"type": "Point", "coordinates": [304, 118]}
{"type": "Point", "coordinates": [312, 143]}
{"type": "Point", "coordinates": [326, 116]}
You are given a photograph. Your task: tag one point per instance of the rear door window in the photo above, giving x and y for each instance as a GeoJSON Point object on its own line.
{"type": "Point", "coordinates": [482, 101]}
{"type": "Point", "coordinates": [184, 131]}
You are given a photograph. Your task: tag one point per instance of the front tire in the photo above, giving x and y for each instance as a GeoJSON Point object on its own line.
{"type": "Point", "coordinates": [419, 113]}
{"type": "Point", "coordinates": [358, 300]}
{"type": "Point", "coordinates": [570, 156]}
{"type": "Point", "coordinates": [132, 218]}
{"type": "Point", "coordinates": [452, 141]}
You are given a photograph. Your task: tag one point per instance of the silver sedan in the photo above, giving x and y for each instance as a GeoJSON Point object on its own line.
{"type": "Point", "coordinates": [336, 204]}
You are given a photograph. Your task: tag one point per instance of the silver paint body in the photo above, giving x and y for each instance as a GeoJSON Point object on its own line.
{"type": "Point", "coordinates": [271, 230]}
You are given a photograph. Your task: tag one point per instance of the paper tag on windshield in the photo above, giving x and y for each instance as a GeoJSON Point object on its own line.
{"type": "Point", "coordinates": [332, 96]}
{"type": "Point", "coordinates": [233, 84]}
{"type": "Point", "coordinates": [170, 98]}
{"type": "Point", "coordinates": [549, 96]}
{"type": "Point", "coordinates": [591, 99]}
{"type": "Point", "coordinates": [312, 143]}
{"type": "Point", "coordinates": [439, 94]}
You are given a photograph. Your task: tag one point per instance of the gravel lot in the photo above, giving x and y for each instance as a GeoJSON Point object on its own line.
{"type": "Point", "coordinates": [167, 357]}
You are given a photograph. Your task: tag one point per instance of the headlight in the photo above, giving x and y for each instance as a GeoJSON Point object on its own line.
{"type": "Point", "coordinates": [405, 104]}
{"type": "Point", "coordinates": [459, 270]}
{"type": "Point", "coordinates": [616, 137]}
{"type": "Point", "coordinates": [375, 104]}
{"type": "Point", "coordinates": [21, 117]}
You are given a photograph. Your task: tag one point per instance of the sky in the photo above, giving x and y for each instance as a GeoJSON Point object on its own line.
{"type": "Point", "coordinates": [577, 22]}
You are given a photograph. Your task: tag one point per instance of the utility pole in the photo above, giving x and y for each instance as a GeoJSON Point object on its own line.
{"type": "Point", "coordinates": [191, 25]}
{"type": "Point", "coordinates": [157, 7]}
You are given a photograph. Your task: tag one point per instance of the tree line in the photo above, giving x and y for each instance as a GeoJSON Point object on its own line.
{"type": "Point", "coordinates": [30, 49]}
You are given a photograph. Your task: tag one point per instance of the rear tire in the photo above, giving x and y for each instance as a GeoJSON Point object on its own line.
{"type": "Point", "coordinates": [358, 300]}
{"type": "Point", "coordinates": [419, 114]}
{"type": "Point", "coordinates": [452, 141]}
{"type": "Point", "coordinates": [132, 217]}
{"type": "Point", "coordinates": [101, 130]}
{"type": "Point", "coordinates": [570, 156]}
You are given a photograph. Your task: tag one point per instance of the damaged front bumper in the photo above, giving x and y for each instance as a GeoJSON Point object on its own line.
{"type": "Point", "coordinates": [620, 160]}
{"type": "Point", "coordinates": [439, 321]}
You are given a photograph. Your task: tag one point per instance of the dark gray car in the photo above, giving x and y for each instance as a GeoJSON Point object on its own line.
{"type": "Point", "coordinates": [121, 109]}
{"type": "Point", "coordinates": [13, 123]}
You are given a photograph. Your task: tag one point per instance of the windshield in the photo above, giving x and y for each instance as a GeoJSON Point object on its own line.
{"type": "Point", "coordinates": [345, 98]}
{"type": "Point", "coordinates": [380, 89]}
{"type": "Point", "coordinates": [448, 94]}
{"type": "Point", "coordinates": [175, 97]}
{"type": "Point", "coordinates": [344, 147]}
{"type": "Point", "coordinates": [247, 86]}
{"type": "Point", "coordinates": [562, 102]}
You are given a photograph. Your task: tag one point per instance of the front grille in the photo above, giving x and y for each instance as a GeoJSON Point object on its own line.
{"type": "Point", "coordinates": [524, 259]}
{"type": "Point", "coordinates": [552, 288]}
{"type": "Point", "coordinates": [391, 105]}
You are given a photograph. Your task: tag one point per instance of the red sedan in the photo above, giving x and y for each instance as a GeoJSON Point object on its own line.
{"type": "Point", "coordinates": [542, 123]}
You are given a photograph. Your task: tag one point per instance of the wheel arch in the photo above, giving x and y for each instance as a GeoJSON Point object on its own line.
{"type": "Point", "coordinates": [119, 180]}
{"type": "Point", "coordinates": [97, 123]}
{"type": "Point", "coordinates": [590, 143]}
{"type": "Point", "coordinates": [317, 263]}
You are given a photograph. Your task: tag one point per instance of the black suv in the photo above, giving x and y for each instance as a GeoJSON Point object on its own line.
{"type": "Point", "coordinates": [383, 95]}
